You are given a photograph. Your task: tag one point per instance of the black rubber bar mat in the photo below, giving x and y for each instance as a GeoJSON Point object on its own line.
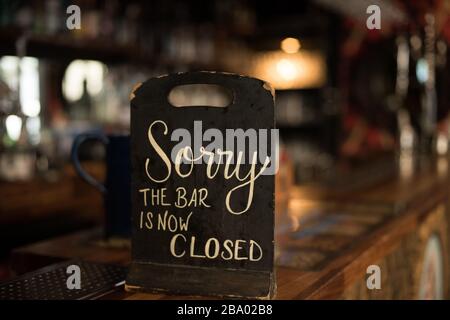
{"type": "Point", "coordinates": [50, 283]}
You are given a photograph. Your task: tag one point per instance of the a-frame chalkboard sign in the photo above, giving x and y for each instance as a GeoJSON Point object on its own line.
{"type": "Point", "coordinates": [203, 227]}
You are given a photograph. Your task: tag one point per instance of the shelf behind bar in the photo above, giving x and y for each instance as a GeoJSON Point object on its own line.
{"type": "Point", "coordinates": [67, 47]}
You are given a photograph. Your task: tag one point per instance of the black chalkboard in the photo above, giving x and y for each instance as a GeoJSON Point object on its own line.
{"type": "Point", "coordinates": [193, 231]}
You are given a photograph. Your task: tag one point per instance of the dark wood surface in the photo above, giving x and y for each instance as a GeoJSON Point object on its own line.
{"type": "Point", "coordinates": [48, 205]}
{"type": "Point", "coordinates": [324, 241]}
{"type": "Point", "coordinates": [31, 200]}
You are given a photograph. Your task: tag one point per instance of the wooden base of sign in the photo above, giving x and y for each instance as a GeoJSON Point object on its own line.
{"type": "Point", "coordinates": [200, 281]}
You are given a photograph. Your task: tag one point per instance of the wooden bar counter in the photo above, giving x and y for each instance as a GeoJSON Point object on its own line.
{"type": "Point", "coordinates": [326, 238]}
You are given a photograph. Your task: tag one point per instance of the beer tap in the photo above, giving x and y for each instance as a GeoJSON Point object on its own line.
{"type": "Point", "coordinates": [405, 129]}
{"type": "Point", "coordinates": [429, 101]}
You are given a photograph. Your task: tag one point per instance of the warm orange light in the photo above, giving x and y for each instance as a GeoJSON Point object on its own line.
{"type": "Point", "coordinates": [286, 69]}
{"type": "Point", "coordinates": [290, 45]}
{"type": "Point", "coordinates": [282, 70]}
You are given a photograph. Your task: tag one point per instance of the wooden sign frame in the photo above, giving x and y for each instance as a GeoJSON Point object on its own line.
{"type": "Point", "coordinates": [190, 264]}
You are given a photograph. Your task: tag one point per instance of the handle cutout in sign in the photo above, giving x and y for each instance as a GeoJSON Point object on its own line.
{"type": "Point", "coordinates": [195, 95]}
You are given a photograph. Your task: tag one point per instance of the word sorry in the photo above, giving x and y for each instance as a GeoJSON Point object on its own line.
{"type": "Point", "coordinates": [212, 167]}
{"type": "Point", "coordinates": [250, 142]}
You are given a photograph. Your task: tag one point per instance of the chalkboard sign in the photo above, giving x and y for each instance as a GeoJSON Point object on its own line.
{"type": "Point", "coordinates": [203, 189]}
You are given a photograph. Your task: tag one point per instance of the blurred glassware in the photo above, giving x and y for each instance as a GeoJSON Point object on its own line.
{"type": "Point", "coordinates": [407, 135]}
{"type": "Point", "coordinates": [17, 165]}
{"type": "Point", "coordinates": [6, 104]}
{"type": "Point", "coordinates": [17, 160]}
{"type": "Point", "coordinates": [17, 150]}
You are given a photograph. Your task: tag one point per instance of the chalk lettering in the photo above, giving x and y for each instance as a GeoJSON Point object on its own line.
{"type": "Point", "coordinates": [215, 249]}
{"type": "Point", "coordinates": [247, 179]}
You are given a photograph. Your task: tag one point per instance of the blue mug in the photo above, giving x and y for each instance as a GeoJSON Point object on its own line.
{"type": "Point", "coordinates": [116, 189]}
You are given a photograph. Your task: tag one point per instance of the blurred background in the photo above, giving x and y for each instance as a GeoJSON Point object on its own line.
{"type": "Point", "coordinates": [348, 99]}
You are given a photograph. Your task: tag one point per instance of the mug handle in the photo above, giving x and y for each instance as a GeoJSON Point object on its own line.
{"type": "Point", "coordinates": [79, 140]}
